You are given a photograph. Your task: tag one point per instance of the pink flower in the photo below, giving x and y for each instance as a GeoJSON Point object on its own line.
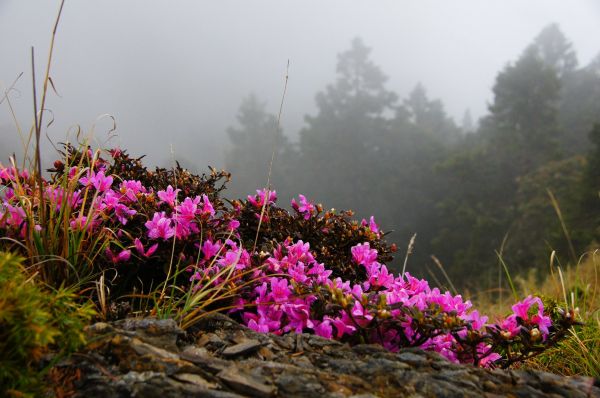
{"type": "Point", "coordinates": [415, 285]}
{"type": "Point", "coordinates": [511, 326]}
{"type": "Point", "coordinates": [187, 209]}
{"type": "Point", "coordinates": [323, 329]}
{"type": "Point", "coordinates": [521, 309]}
{"type": "Point", "coordinates": [10, 173]}
{"type": "Point", "coordinates": [381, 278]}
{"type": "Point", "coordinates": [442, 344]}
{"type": "Point", "coordinates": [262, 328]}
{"type": "Point", "coordinates": [361, 315]}
{"type": "Point", "coordinates": [100, 181]}
{"type": "Point", "coordinates": [233, 225]}
{"type": "Point", "coordinates": [231, 258]}
{"type": "Point", "coordinates": [108, 201]}
{"type": "Point", "coordinates": [6, 174]}
{"type": "Point", "coordinates": [259, 199]}
{"type": "Point", "coordinates": [16, 215]}
{"type": "Point", "coordinates": [363, 254]}
{"type": "Point", "coordinates": [298, 313]}
{"type": "Point", "coordinates": [306, 208]}
{"type": "Point", "coordinates": [284, 303]}
{"type": "Point", "coordinates": [543, 322]}
{"type": "Point", "coordinates": [343, 325]}
{"type": "Point", "coordinates": [160, 227]}
{"type": "Point", "coordinates": [73, 172]}
{"type": "Point", "coordinates": [169, 196]}
{"type": "Point", "coordinates": [300, 251]}
{"type": "Point", "coordinates": [371, 224]}
{"type": "Point", "coordinates": [140, 248]}
{"type": "Point", "coordinates": [184, 228]}
{"type": "Point", "coordinates": [477, 321]}
{"type": "Point", "coordinates": [9, 194]}
{"type": "Point", "coordinates": [210, 249]}
{"type": "Point", "coordinates": [123, 213]}
{"type": "Point", "coordinates": [322, 275]}
{"type": "Point", "coordinates": [207, 207]}
{"type": "Point", "coordinates": [124, 255]}
{"type": "Point", "coordinates": [448, 302]}
{"type": "Point", "coordinates": [487, 360]}
{"type": "Point", "coordinates": [261, 324]}
{"type": "Point", "coordinates": [280, 290]}
{"type": "Point", "coordinates": [297, 272]}
{"type": "Point", "coordinates": [130, 188]}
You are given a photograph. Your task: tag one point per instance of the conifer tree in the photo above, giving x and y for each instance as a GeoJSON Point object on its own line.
{"type": "Point", "coordinates": [338, 148]}
{"type": "Point", "coordinates": [252, 146]}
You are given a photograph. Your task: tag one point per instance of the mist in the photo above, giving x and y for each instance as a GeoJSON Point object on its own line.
{"type": "Point", "coordinates": [173, 76]}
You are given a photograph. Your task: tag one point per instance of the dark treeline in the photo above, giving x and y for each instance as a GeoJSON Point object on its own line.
{"type": "Point", "coordinates": [467, 191]}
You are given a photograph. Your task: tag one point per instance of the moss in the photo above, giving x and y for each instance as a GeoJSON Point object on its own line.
{"type": "Point", "coordinates": [34, 321]}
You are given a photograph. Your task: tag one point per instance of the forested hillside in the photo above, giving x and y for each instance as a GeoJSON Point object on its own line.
{"type": "Point", "coordinates": [470, 192]}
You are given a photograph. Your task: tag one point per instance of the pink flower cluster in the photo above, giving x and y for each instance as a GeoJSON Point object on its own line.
{"type": "Point", "coordinates": [108, 202]}
{"type": "Point", "coordinates": [285, 303]}
{"type": "Point", "coordinates": [258, 200]}
{"type": "Point", "coordinates": [286, 290]}
{"type": "Point", "coordinates": [371, 224]}
{"type": "Point", "coordinates": [304, 207]}
{"type": "Point", "coordinates": [185, 217]}
{"type": "Point", "coordinates": [525, 314]}
{"type": "Point", "coordinates": [287, 295]}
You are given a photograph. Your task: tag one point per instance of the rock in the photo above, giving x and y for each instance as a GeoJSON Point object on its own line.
{"type": "Point", "coordinates": [242, 348]}
{"type": "Point", "coordinates": [162, 333]}
{"type": "Point", "coordinates": [154, 358]}
{"type": "Point", "coordinates": [194, 379]}
{"type": "Point", "coordinates": [245, 384]}
{"type": "Point", "coordinates": [413, 359]}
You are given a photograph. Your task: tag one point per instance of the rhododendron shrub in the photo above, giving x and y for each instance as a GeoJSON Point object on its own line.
{"type": "Point", "coordinates": [393, 311]}
{"type": "Point", "coordinates": [330, 234]}
{"type": "Point", "coordinates": [132, 217]}
{"type": "Point", "coordinates": [276, 271]}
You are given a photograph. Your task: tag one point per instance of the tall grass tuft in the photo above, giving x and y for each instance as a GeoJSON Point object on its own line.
{"type": "Point", "coordinates": [579, 353]}
{"type": "Point", "coordinates": [575, 287]}
{"type": "Point", "coordinates": [61, 254]}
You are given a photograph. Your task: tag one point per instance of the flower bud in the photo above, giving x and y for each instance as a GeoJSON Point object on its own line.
{"type": "Point", "coordinates": [344, 302]}
{"type": "Point", "coordinates": [59, 166]}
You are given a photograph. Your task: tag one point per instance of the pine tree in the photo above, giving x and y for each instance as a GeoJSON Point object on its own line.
{"type": "Point", "coordinates": [429, 116]}
{"type": "Point", "coordinates": [467, 122]}
{"type": "Point", "coordinates": [555, 50]}
{"type": "Point", "coordinates": [523, 124]}
{"type": "Point", "coordinates": [339, 147]}
{"type": "Point", "coordinates": [252, 146]}
{"type": "Point", "coordinates": [580, 106]}
{"type": "Point", "coordinates": [516, 138]}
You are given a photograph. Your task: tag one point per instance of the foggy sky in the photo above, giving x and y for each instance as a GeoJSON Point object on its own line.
{"type": "Point", "coordinates": [174, 73]}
